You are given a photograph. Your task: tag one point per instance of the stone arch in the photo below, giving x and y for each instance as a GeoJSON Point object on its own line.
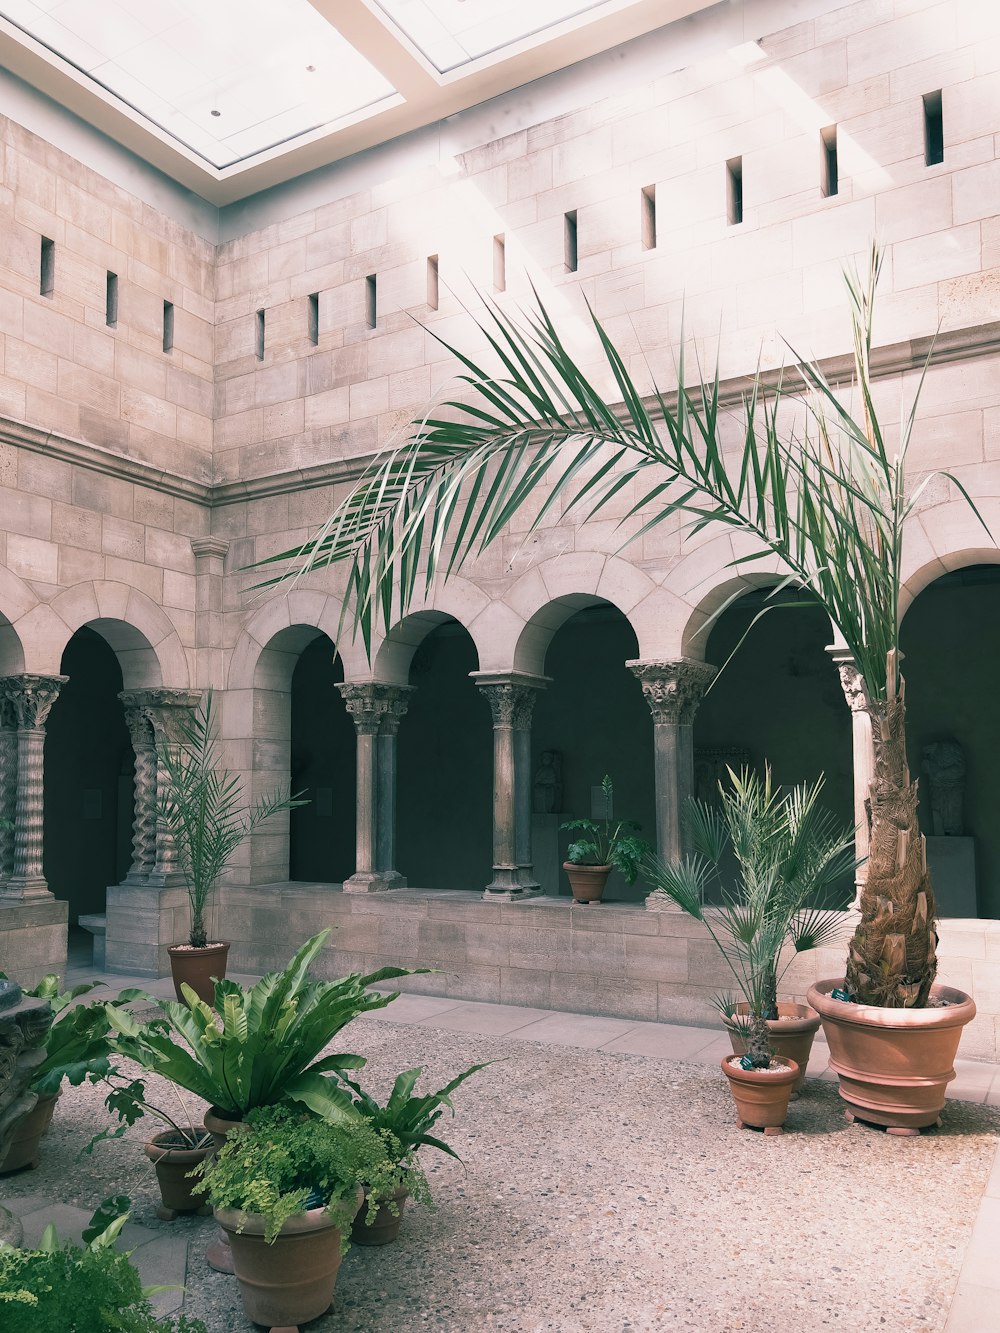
{"type": "Point", "coordinates": [138, 631]}
{"type": "Point", "coordinates": [304, 610]}
{"type": "Point", "coordinates": [946, 538]}
{"type": "Point", "coordinates": [17, 602]}
{"type": "Point", "coordinates": [455, 599]}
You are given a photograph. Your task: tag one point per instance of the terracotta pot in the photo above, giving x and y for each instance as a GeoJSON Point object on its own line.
{"type": "Point", "coordinates": [23, 1149]}
{"type": "Point", "coordinates": [761, 1095]}
{"type": "Point", "coordinates": [894, 1065]}
{"type": "Point", "coordinates": [791, 1034]}
{"type": "Point", "coordinates": [292, 1280]}
{"type": "Point", "coordinates": [586, 882]}
{"type": "Point", "coordinates": [172, 1166]}
{"type": "Point", "coordinates": [197, 967]}
{"type": "Point", "coordinates": [384, 1227]}
{"type": "Point", "coordinates": [218, 1254]}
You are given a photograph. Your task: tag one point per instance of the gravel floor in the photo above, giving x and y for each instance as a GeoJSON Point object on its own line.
{"type": "Point", "coordinates": [613, 1193]}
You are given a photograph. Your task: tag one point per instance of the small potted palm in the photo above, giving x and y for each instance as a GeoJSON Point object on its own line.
{"type": "Point", "coordinates": [606, 845]}
{"type": "Point", "coordinates": [286, 1187]}
{"type": "Point", "coordinates": [790, 854]}
{"type": "Point", "coordinates": [406, 1119]}
{"type": "Point", "coordinates": [204, 810]}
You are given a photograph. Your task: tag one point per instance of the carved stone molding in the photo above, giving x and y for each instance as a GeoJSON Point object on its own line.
{"type": "Point", "coordinates": [673, 690]}
{"type": "Point", "coordinates": [511, 696]}
{"type": "Point", "coordinates": [31, 698]}
{"type": "Point", "coordinates": [210, 546]}
{"type": "Point", "coordinates": [376, 708]}
{"type": "Point", "coordinates": [167, 710]}
{"type": "Point", "coordinates": [851, 680]}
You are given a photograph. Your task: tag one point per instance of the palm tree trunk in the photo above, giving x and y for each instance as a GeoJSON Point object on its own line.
{"type": "Point", "coordinates": [892, 959]}
{"type": "Point", "coordinates": [758, 1040]}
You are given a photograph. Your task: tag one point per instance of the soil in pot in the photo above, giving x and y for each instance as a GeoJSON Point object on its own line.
{"type": "Point", "coordinates": [197, 967]}
{"type": "Point", "coordinates": [894, 1065]}
{"type": "Point", "coordinates": [292, 1280]}
{"type": "Point", "coordinates": [173, 1156]}
{"type": "Point", "coordinates": [587, 883]}
{"type": "Point", "coordinates": [791, 1035]}
{"type": "Point", "coordinates": [383, 1229]}
{"type": "Point", "coordinates": [761, 1095]}
{"type": "Point", "coordinates": [25, 1147]}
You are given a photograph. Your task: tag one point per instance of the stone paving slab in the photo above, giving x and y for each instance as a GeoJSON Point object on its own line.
{"type": "Point", "coordinates": [160, 1260]}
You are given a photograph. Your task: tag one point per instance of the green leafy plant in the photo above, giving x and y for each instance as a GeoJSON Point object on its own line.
{"type": "Point", "coordinates": [608, 842]}
{"type": "Point", "coordinates": [77, 1044]}
{"type": "Point", "coordinates": [823, 490]}
{"type": "Point", "coordinates": [203, 806]}
{"type": "Point", "coordinates": [258, 1046]}
{"type": "Point", "coordinates": [128, 1101]}
{"type": "Point", "coordinates": [283, 1160]}
{"type": "Point", "coordinates": [790, 854]}
{"type": "Point", "coordinates": [81, 1289]}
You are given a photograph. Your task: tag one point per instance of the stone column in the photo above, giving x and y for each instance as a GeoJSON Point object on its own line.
{"type": "Point", "coordinates": [385, 782]}
{"type": "Point", "coordinates": [144, 816]}
{"type": "Point", "coordinates": [511, 696]}
{"type": "Point", "coordinates": [165, 710]}
{"type": "Point", "coordinates": [8, 789]}
{"type": "Point", "coordinates": [376, 709]}
{"type": "Point", "coordinates": [209, 555]}
{"type": "Point", "coordinates": [31, 699]}
{"type": "Point", "coordinates": [853, 685]}
{"type": "Point", "coordinates": [673, 692]}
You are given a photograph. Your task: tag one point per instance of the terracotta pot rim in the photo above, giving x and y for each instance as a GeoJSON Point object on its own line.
{"type": "Point", "coordinates": [961, 1009]}
{"type": "Point", "coordinates": [216, 947]}
{"type": "Point", "coordinates": [806, 1018]}
{"type": "Point", "coordinates": [585, 865]}
{"type": "Point", "coordinates": [254, 1224]}
{"type": "Point", "coordinates": [773, 1076]}
{"type": "Point", "coordinates": [160, 1152]}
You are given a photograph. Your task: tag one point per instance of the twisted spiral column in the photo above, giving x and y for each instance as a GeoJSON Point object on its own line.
{"type": "Point", "coordinates": [165, 709]}
{"type": "Point", "coordinates": [144, 800]}
{"type": "Point", "coordinates": [8, 790]}
{"type": "Point", "coordinates": [30, 698]}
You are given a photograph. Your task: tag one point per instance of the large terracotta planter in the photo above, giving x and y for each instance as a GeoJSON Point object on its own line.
{"type": "Point", "coordinates": [383, 1229]}
{"type": "Point", "coordinates": [290, 1281]}
{"type": "Point", "coordinates": [587, 883]}
{"type": "Point", "coordinates": [172, 1166]}
{"type": "Point", "coordinates": [894, 1065]}
{"type": "Point", "coordinates": [791, 1034]}
{"type": "Point", "coordinates": [23, 1149]}
{"type": "Point", "coordinates": [761, 1095]}
{"type": "Point", "coordinates": [197, 967]}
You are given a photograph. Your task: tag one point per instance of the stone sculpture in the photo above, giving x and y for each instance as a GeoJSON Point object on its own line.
{"type": "Point", "coordinates": [546, 788]}
{"type": "Point", "coordinates": [943, 762]}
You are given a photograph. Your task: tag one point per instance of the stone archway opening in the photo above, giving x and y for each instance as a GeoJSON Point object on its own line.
{"type": "Point", "coordinates": [777, 699]}
{"type": "Point", "coordinates": [322, 767]}
{"type": "Point", "coordinates": [88, 775]}
{"type": "Point", "coordinates": [950, 638]}
{"type": "Point", "coordinates": [591, 719]}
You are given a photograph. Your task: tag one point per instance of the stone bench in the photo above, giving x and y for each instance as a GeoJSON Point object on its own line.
{"type": "Point", "coordinates": [97, 924]}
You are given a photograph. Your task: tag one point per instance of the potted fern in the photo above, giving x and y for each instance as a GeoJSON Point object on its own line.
{"type": "Point", "coordinates": [203, 807]}
{"type": "Point", "coordinates": [821, 488]}
{"type": "Point", "coordinates": [607, 844]}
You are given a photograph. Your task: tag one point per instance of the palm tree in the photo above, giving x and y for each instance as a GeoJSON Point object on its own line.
{"type": "Point", "coordinates": [828, 498]}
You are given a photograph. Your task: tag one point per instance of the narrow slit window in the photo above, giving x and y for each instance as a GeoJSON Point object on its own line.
{"type": "Point", "coordinates": [499, 264]}
{"type": "Point", "coordinates": [111, 301]}
{"type": "Point", "coordinates": [314, 318]}
{"type": "Point", "coordinates": [371, 309]}
{"type": "Point", "coordinates": [168, 326]}
{"type": "Point", "coordinates": [648, 217]}
{"type": "Point", "coordinates": [933, 129]}
{"type": "Point", "coordinates": [734, 190]}
{"type": "Point", "coordinates": [830, 176]}
{"type": "Point", "coordinates": [433, 282]}
{"type": "Point", "coordinates": [259, 336]}
{"type": "Point", "coordinates": [569, 242]}
{"type": "Point", "coordinates": [47, 270]}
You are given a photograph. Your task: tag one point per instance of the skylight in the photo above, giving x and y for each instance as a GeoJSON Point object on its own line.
{"type": "Point", "coordinates": [227, 78]}
{"type": "Point", "coordinates": [451, 33]}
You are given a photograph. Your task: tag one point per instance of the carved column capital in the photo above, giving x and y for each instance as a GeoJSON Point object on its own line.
{"type": "Point", "coordinates": [673, 690]}
{"type": "Point", "coordinates": [376, 707]}
{"type": "Point", "coordinates": [511, 696]}
{"type": "Point", "coordinates": [167, 710]}
{"type": "Point", "coordinates": [31, 698]}
{"type": "Point", "coordinates": [851, 680]}
{"type": "Point", "coordinates": [210, 546]}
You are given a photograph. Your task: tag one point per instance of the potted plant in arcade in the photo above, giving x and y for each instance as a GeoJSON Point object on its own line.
{"type": "Point", "coordinates": [807, 481]}
{"type": "Point", "coordinates": [606, 845]}
{"type": "Point", "coordinates": [203, 808]}
{"type": "Point", "coordinates": [790, 854]}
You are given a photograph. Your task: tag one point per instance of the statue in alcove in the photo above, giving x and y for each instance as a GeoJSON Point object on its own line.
{"type": "Point", "coordinates": [943, 763]}
{"type": "Point", "coordinates": [546, 786]}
